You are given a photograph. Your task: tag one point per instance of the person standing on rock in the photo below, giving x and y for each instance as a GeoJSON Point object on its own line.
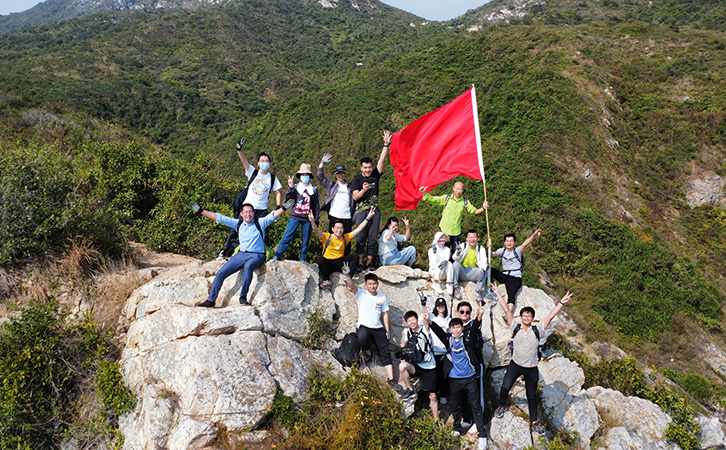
{"type": "Point", "coordinates": [334, 246]}
{"type": "Point", "coordinates": [470, 264]}
{"type": "Point", "coordinates": [512, 265]}
{"type": "Point", "coordinates": [339, 204]}
{"type": "Point", "coordinates": [257, 193]}
{"type": "Point", "coordinates": [305, 196]}
{"type": "Point", "coordinates": [251, 254]}
{"type": "Point", "coordinates": [422, 363]}
{"type": "Point", "coordinates": [365, 192]}
{"type": "Point", "coordinates": [454, 206]}
{"type": "Point", "coordinates": [525, 356]}
{"type": "Point", "coordinates": [461, 368]}
{"type": "Point", "coordinates": [373, 322]}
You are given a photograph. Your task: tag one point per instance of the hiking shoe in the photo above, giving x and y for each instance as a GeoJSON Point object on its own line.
{"type": "Point", "coordinates": [449, 288]}
{"type": "Point", "coordinates": [538, 428]}
{"type": "Point", "coordinates": [457, 292]}
{"type": "Point", "coordinates": [408, 393]}
{"type": "Point", "coordinates": [221, 255]}
{"type": "Point", "coordinates": [243, 301]}
{"type": "Point", "coordinates": [206, 304]}
{"type": "Point", "coordinates": [369, 269]}
{"type": "Point", "coordinates": [325, 284]}
{"type": "Point", "coordinates": [499, 413]}
{"type": "Point", "coordinates": [465, 424]}
{"type": "Point", "coordinates": [437, 288]}
{"type": "Point", "coordinates": [481, 444]}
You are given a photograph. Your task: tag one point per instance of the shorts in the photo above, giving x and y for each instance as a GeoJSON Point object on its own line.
{"type": "Point", "coordinates": [428, 378]}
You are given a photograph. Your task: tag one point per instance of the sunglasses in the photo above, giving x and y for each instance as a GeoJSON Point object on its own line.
{"type": "Point", "coordinates": [465, 312]}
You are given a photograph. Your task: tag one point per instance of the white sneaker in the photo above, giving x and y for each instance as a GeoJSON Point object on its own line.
{"type": "Point", "coordinates": [482, 444]}
{"type": "Point", "coordinates": [465, 424]}
{"type": "Point", "coordinates": [449, 288]}
{"type": "Point", "coordinates": [437, 288]}
{"type": "Point", "coordinates": [473, 430]}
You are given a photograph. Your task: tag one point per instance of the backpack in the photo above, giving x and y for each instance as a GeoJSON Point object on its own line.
{"type": "Point", "coordinates": [347, 352]}
{"type": "Point", "coordinates": [536, 334]}
{"type": "Point", "coordinates": [242, 195]}
{"type": "Point", "coordinates": [519, 258]}
{"type": "Point", "coordinates": [412, 352]}
{"type": "Point", "coordinates": [449, 196]}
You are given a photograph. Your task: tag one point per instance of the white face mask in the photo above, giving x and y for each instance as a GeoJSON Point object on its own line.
{"type": "Point", "coordinates": [264, 166]}
{"type": "Point", "coordinates": [305, 178]}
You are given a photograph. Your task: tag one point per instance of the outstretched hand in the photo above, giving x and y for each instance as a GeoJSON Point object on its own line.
{"type": "Point", "coordinates": [404, 219]}
{"type": "Point", "coordinates": [566, 298]}
{"type": "Point", "coordinates": [287, 204]}
{"type": "Point", "coordinates": [346, 269]}
{"type": "Point", "coordinates": [240, 143]}
{"type": "Point", "coordinates": [195, 207]}
{"type": "Point", "coordinates": [327, 157]}
{"type": "Point", "coordinates": [387, 138]}
{"type": "Point", "coordinates": [371, 213]}
{"type": "Point", "coordinates": [423, 189]}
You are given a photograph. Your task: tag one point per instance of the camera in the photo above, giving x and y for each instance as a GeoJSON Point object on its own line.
{"type": "Point", "coordinates": [423, 299]}
{"type": "Point", "coordinates": [371, 182]}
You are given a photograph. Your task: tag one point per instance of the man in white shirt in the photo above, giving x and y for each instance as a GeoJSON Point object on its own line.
{"type": "Point", "coordinates": [470, 264]}
{"type": "Point", "coordinates": [339, 204]}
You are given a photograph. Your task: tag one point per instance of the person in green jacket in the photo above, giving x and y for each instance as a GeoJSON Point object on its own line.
{"type": "Point", "coordinates": [454, 206]}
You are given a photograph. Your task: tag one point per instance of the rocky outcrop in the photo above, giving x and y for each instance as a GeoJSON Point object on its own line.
{"type": "Point", "coordinates": [207, 375]}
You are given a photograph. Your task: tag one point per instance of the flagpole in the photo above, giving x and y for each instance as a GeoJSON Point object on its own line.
{"type": "Point", "coordinates": [483, 178]}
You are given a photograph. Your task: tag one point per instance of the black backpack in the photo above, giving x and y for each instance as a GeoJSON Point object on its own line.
{"type": "Point", "coordinates": [242, 195]}
{"type": "Point", "coordinates": [347, 353]}
{"type": "Point", "coordinates": [412, 352]}
{"type": "Point", "coordinates": [536, 334]}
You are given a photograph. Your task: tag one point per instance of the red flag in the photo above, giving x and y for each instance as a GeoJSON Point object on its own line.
{"type": "Point", "coordinates": [437, 147]}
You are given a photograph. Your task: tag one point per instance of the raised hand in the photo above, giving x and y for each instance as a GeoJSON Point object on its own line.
{"type": "Point", "coordinates": [195, 207]}
{"type": "Point", "coordinates": [566, 298]}
{"type": "Point", "coordinates": [371, 213]}
{"type": "Point", "coordinates": [404, 219]}
{"type": "Point", "coordinates": [326, 158]}
{"type": "Point", "coordinates": [290, 182]}
{"type": "Point", "coordinates": [346, 269]}
{"type": "Point", "coordinates": [287, 204]}
{"type": "Point", "coordinates": [240, 143]}
{"type": "Point", "coordinates": [423, 189]}
{"type": "Point", "coordinates": [386, 138]}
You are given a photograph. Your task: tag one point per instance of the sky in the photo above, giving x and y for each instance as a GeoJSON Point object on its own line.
{"type": "Point", "coordinates": [428, 9]}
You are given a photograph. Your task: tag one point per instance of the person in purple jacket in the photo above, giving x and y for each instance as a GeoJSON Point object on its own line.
{"type": "Point", "coordinates": [340, 204]}
{"type": "Point", "coordinates": [305, 196]}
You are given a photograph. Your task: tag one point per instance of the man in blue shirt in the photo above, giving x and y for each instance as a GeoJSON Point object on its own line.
{"type": "Point", "coordinates": [251, 254]}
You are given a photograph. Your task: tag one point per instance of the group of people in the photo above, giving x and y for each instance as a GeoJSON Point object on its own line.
{"type": "Point", "coordinates": [449, 358]}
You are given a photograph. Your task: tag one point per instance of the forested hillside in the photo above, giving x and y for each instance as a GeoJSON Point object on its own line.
{"type": "Point", "coordinates": [596, 118]}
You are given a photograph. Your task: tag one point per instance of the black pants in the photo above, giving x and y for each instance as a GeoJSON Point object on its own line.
{"type": "Point", "coordinates": [232, 241]}
{"type": "Point", "coordinates": [466, 389]}
{"type": "Point", "coordinates": [531, 378]}
{"type": "Point", "coordinates": [367, 241]}
{"type": "Point", "coordinates": [328, 266]}
{"type": "Point", "coordinates": [378, 336]}
{"type": "Point", "coordinates": [441, 381]}
{"type": "Point", "coordinates": [513, 284]}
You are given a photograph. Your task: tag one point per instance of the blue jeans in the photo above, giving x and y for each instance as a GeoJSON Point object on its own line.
{"type": "Point", "coordinates": [292, 225]}
{"type": "Point", "coordinates": [241, 261]}
{"type": "Point", "coordinates": [405, 256]}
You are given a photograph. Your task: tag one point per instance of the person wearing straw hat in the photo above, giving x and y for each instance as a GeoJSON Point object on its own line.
{"type": "Point", "coordinates": [340, 204]}
{"type": "Point", "coordinates": [306, 200]}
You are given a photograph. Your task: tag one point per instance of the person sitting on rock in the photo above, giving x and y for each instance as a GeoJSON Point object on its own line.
{"type": "Point", "coordinates": [423, 367]}
{"type": "Point", "coordinates": [470, 264]}
{"type": "Point", "coordinates": [388, 251]}
{"type": "Point", "coordinates": [525, 356]}
{"type": "Point", "coordinates": [512, 265]}
{"type": "Point", "coordinates": [305, 196]}
{"type": "Point", "coordinates": [334, 246]}
{"type": "Point", "coordinates": [454, 206]}
{"type": "Point", "coordinates": [340, 204]}
{"type": "Point", "coordinates": [373, 321]}
{"type": "Point", "coordinates": [439, 255]}
{"type": "Point", "coordinates": [461, 368]}
{"type": "Point", "coordinates": [251, 254]}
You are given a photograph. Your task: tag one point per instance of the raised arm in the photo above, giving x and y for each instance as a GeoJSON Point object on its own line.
{"type": "Point", "coordinates": [556, 310]}
{"type": "Point", "coordinates": [241, 155]}
{"type": "Point", "coordinates": [318, 232]}
{"type": "Point", "coordinates": [408, 228]}
{"type": "Point", "coordinates": [484, 207]}
{"type": "Point", "coordinates": [384, 151]}
{"type": "Point", "coordinates": [531, 238]}
{"type": "Point", "coordinates": [359, 228]}
{"type": "Point", "coordinates": [327, 184]}
{"type": "Point", "coordinates": [347, 279]}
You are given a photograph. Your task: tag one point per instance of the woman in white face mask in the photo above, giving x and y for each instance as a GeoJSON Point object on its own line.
{"type": "Point", "coordinates": [306, 201]}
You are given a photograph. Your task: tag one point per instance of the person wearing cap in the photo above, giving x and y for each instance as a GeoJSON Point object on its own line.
{"type": "Point", "coordinates": [339, 204]}
{"type": "Point", "coordinates": [365, 193]}
{"type": "Point", "coordinates": [252, 247]}
{"type": "Point", "coordinates": [454, 206]}
{"type": "Point", "coordinates": [439, 255]}
{"type": "Point", "coordinates": [305, 196]}
{"type": "Point", "coordinates": [334, 246]}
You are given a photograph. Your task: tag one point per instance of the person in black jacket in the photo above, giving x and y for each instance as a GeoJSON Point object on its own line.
{"type": "Point", "coordinates": [463, 356]}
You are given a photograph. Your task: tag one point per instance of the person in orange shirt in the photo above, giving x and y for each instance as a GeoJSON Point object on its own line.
{"type": "Point", "coordinates": [333, 256]}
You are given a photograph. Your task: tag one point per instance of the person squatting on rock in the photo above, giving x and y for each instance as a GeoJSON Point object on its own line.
{"type": "Point", "coordinates": [388, 244]}
{"type": "Point", "coordinates": [420, 363]}
{"type": "Point", "coordinates": [373, 321]}
{"type": "Point", "coordinates": [454, 206]}
{"type": "Point", "coordinates": [334, 245]}
{"type": "Point", "coordinates": [365, 193]}
{"type": "Point", "coordinates": [525, 356]}
{"type": "Point", "coordinates": [251, 254]}
{"type": "Point", "coordinates": [305, 196]}
{"type": "Point", "coordinates": [463, 357]}
{"type": "Point", "coordinates": [512, 265]}
{"type": "Point", "coordinates": [439, 255]}
{"type": "Point", "coordinates": [339, 204]}
{"type": "Point", "coordinates": [470, 264]}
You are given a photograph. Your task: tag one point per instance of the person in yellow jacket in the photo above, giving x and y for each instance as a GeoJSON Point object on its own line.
{"type": "Point", "coordinates": [454, 206]}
